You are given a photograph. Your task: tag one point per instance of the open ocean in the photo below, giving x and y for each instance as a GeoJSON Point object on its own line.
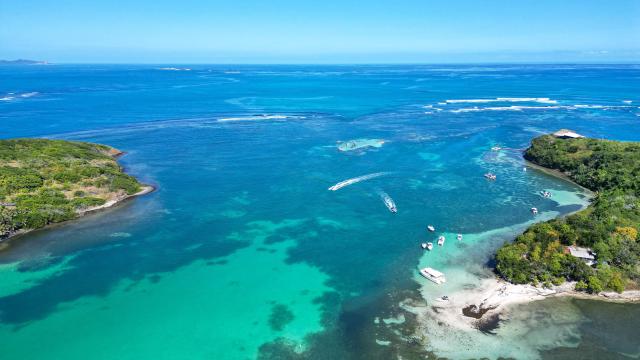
{"type": "Point", "coordinates": [243, 253]}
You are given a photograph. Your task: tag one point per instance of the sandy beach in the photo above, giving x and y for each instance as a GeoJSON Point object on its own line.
{"type": "Point", "coordinates": [486, 315]}
{"type": "Point", "coordinates": [471, 308]}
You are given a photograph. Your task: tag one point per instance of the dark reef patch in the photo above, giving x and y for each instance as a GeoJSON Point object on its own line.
{"type": "Point", "coordinates": [475, 311]}
{"type": "Point", "coordinates": [489, 324]}
{"type": "Point", "coordinates": [280, 317]}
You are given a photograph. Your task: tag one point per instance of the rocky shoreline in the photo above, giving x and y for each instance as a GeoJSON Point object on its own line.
{"type": "Point", "coordinates": [5, 241]}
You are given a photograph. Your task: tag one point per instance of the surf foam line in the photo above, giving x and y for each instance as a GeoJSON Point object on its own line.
{"type": "Point", "coordinates": [358, 179]}
{"type": "Point", "coordinates": [260, 117]}
{"type": "Point", "coordinates": [543, 100]}
{"type": "Point", "coordinates": [521, 108]}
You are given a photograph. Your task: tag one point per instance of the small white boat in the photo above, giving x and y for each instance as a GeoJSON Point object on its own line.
{"type": "Point", "coordinates": [441, 240]}
{"type": "Point", "coordinates": [545, 194]}
{"type": "Point", "coordinates": [534, 210]}
{"type": "Point", "coordinates": [496, 148]}
{"type": "Point", "coordinates": [431, 228]}
{"type": "Point", "coordinates": [433, 275]}
{"type": "Point", "coordinates": [490, 176]}
{"type": "Point", "coordinates": [388, 202]}
{"type": "Point", "coordinates": [459, 237]}
{"type": "Point", "coordinates": [427, 246]}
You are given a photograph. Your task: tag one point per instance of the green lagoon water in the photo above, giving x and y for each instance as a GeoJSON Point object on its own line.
{"type": "Point", "coordinates": [243, 252]}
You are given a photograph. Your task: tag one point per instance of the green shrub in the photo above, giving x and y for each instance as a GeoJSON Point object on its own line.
{"type": "Point", "coordinates": [594, 285]}
{"type": "Point", "coordinates": [81, 203]}
{"type": "Point", "coordinates": [581, 286]}
{"type": "Point", "coordinates": [125, 182]}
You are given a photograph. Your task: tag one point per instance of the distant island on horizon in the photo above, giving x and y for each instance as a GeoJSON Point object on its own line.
{"type": "Point", "coordinates": [23, 62]}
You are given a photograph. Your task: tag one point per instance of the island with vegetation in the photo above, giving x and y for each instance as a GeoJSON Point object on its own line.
{"type": "Point", "coordinates": [597, 247]}
{"type": "Point", "coordinates": [50, 181]}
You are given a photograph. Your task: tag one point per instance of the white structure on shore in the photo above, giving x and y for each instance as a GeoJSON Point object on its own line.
{"type": "Point", "coordinates": [582, 253]}
{"type": "Point", "coordinates": [567, 134]}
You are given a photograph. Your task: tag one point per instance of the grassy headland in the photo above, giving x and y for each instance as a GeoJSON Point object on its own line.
{"type": "Point", "coordinates": [49, 181]}
{"type": "Point", "coordinates": [609, 226]}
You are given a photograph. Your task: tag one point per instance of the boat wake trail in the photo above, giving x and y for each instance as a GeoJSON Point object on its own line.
{"type": "Point", "coordinates": [354, 180]}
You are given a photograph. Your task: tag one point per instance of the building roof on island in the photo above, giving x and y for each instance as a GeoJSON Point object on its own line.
{"type": "Point", "coordinates": [580, 252]}
{"type": "Point", "coordinates": [566, 133]}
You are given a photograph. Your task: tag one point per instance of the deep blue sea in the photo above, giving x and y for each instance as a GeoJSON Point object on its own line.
{"type": "Point", "coordinates": [242, 252]}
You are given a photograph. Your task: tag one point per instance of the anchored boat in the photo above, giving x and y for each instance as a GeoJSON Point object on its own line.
{"type": "Point", "coordinates": [545, 194]}
{"type": "Point", "coordinates": [431, 228]}
{"type": "Point", "coordinates": [427, 246]}
{"type": "Point", "coordinates": [441, 240]}
{"type": "Point", "coordinates": [433, 275]}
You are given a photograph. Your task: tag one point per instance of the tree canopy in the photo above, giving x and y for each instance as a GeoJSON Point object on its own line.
{"type": "Point", "coordinates": [609, 226]}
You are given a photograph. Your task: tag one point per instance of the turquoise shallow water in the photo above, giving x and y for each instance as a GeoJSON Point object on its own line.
{"type": "Point", "coordinates": [242, 252]}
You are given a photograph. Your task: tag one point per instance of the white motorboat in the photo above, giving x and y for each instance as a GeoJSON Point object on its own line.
{"type": "Point", "coordinates": [534, 211]}
{"type": "Point", "coordinates": [433, 275]}
{"type": "Point", "coordinates": [459, 236]}
{"type": "Point", "coordinates": [441, 240]}
{"type": "Point", "coordinates": [431, 228]}
{"type": "Point", "coordinates": [427, 246]}
{"type": "Point", "coordinates": [388, 202]}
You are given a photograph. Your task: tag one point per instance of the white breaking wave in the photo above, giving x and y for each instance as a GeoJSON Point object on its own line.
{"type": "Point", "coordinates": [504, 108]}
{"type": "Point", "coordinates": [521, 108]}
{"type": "Point", "coordinates": [354, 180]}
{"type": "Point", "coordinates": [542, 100]}
{"type": "Point", "coordinates": [259, 117]}
{"type": "Point", "coordinates": [13, 96]}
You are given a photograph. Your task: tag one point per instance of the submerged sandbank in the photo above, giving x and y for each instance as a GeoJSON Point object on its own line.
{"type": "Point", "coordinates": [478, 301]}
{"type": "Point", "coordinates": [470, 307]}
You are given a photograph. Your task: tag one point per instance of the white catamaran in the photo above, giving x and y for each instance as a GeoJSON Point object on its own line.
{"type": "Point", "coordinates": [433, 275]}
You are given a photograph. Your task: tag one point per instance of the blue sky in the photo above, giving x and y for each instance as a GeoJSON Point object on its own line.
{"type": "Point", "coordinates": [326, 31]}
